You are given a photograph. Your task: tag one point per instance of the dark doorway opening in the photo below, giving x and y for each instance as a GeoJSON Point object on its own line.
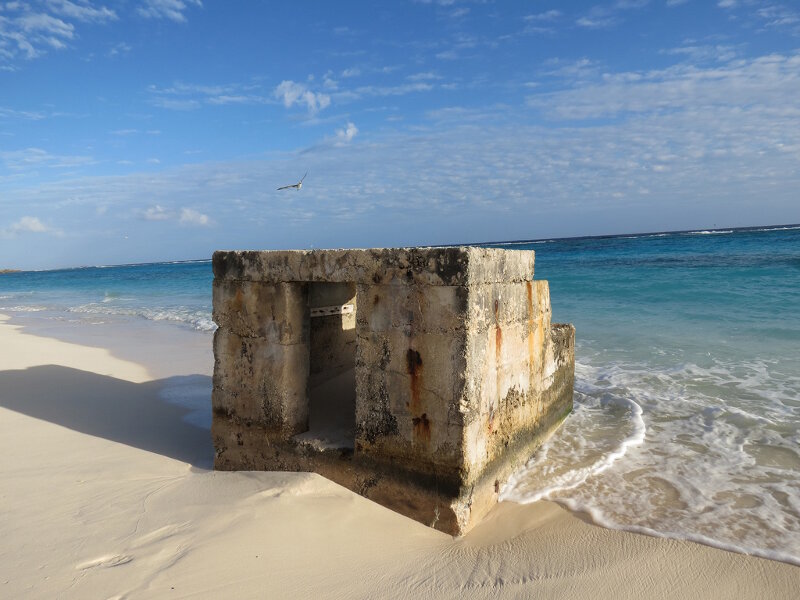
{"type": "Point", "coordinates": [331, 379]}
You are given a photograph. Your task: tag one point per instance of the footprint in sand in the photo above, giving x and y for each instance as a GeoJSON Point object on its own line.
{"type": "Point", "coordinates": [107, 561]}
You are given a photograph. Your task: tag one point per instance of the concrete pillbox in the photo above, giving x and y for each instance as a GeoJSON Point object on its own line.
{"type": "Point", "coordinates": [417, 377]}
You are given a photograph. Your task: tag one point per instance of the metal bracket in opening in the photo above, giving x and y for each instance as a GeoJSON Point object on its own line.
{"type": "Point", "coordinates": [327, 311]}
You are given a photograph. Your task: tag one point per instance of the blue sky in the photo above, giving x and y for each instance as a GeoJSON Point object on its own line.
{"type": "Point", "coordinates": [160, 129]}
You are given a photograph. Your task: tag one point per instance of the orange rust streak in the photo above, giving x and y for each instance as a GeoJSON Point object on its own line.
{"type": "Point", "coordinates": [422, 428]}
{"type": "Point", "coordinates": [238, 301]}
{"type": "Point", "coordinates": [421, 424]}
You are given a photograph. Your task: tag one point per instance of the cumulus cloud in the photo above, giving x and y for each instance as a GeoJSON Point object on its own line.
{"type": "Point", "coordinates": [192, 217]}
{"type": "Point", "coordinates": [291, 93]}
{"type": "Point", "coordinates": [156, 213]}
{"type": "Point", "coordinates": [344, 136]}
{"type": "Point", "coordinates": [167, 9]}
{"type": "Point", "coordinates": [28, 225]}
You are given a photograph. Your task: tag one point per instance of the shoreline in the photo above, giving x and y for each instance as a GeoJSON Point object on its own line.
{"type": "Point", "coordinates": [131, 339]}
{"type": "Point", "coordinates": [140, 514]}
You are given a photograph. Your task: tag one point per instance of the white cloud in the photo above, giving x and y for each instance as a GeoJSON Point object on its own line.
{"type": "Point", "coordinates": [352, 72]}
{"type": "Point", "coordinates": [156, 213]}
{"type": "Point", "coordinates": [192, 217]}
{"type": "Point", "coordinates": [291, 93]}
{"type": "Point", "coordinates": [28, 225]}
{"type": "Point", "coordinates": [176, 104]}
{"type": "Point", "coordinates": [29, 30]}
{"type": "Point", "coordinates": [328, 82]}
{"type": "Point", "coordinates": [426, 76]}
{"type": "Point", "coordinates": [578, 69]}
{"type": "Point", "coordinates": [767, 83]}
{"type": "Point", "coordinates": [180, 88]}
{"type": "Point", "coordinates": [191, 96]}
{"type": "Point", "coordinates": [439, 2]}
{"type": "Point", "coordinates": [184, 216]}
{"type": "Point", "coordinates": [120, 48]}
{"type": "Point", "coordinates": [344, 136]}
{"type": "Point", "coordinates": [703, 53]}
{"type": "Point", "coordinates": [10, 113]}
{"type": "Point", "coordinates": [167, 9]}
{"type": "Point", "coordinates": [31, 158]}
{"type": "Point", "coordinates": [596, 23]}
{"type": "Point", "coordinates": [627, 4]}
{"type": "Point", "coordinates": [779, 16]}
{"type": "Point", "coordinates": [379, 91]}
{"type": "Point", "coordinates": [49, 25]}
{"type": "Point", "coordinates": [643, 149]}
{"type": "Point", "coordinates": [549, 15]}
{"type": "Point", "coordinates": [82, 10]}
{"type": "Point", "coordinates": [600, 16]}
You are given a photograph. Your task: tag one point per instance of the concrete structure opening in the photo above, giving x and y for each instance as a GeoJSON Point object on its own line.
{"type": "Point", "coordinates": [332, 359]}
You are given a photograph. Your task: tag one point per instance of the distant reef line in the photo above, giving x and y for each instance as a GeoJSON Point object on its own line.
{"type": "Point", "coordinates": [4, 271]}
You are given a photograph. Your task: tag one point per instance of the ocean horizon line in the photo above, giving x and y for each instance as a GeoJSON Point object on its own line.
{"type": "Point", "coordinates": [719, 230]}
{"type": "Point", "coordinates": [640, 234]}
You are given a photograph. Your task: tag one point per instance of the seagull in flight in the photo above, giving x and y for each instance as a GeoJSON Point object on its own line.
{"type": "Point", "coordinates": [296, 186]}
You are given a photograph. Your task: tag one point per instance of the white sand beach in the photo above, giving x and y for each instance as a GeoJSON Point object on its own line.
{"type": "Point", "coordinates": [106, 492]}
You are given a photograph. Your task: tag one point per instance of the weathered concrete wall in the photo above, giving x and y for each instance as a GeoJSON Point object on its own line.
{"type": "Point", "coordinates": [459, 374]}
{"type": "Point", "coordinates": [261, 358]}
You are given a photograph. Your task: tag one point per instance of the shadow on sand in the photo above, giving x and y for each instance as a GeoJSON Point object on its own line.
{"type": "Point", "coordinates": [136, 414]}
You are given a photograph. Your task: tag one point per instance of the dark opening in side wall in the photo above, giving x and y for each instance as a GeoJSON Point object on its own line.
{"type": "Point", "coordinates": [332, 357]}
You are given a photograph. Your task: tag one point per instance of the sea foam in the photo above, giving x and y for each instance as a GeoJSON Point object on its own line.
{"type": "Point", "coordinates": [704, 453]}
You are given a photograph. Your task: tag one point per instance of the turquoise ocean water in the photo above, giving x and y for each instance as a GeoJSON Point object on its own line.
{"type": "Point", "coordinates": [687, 405]}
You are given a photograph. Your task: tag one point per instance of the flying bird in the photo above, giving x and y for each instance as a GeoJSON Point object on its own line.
{"type": "Point", "coordinates": [296, 186]}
